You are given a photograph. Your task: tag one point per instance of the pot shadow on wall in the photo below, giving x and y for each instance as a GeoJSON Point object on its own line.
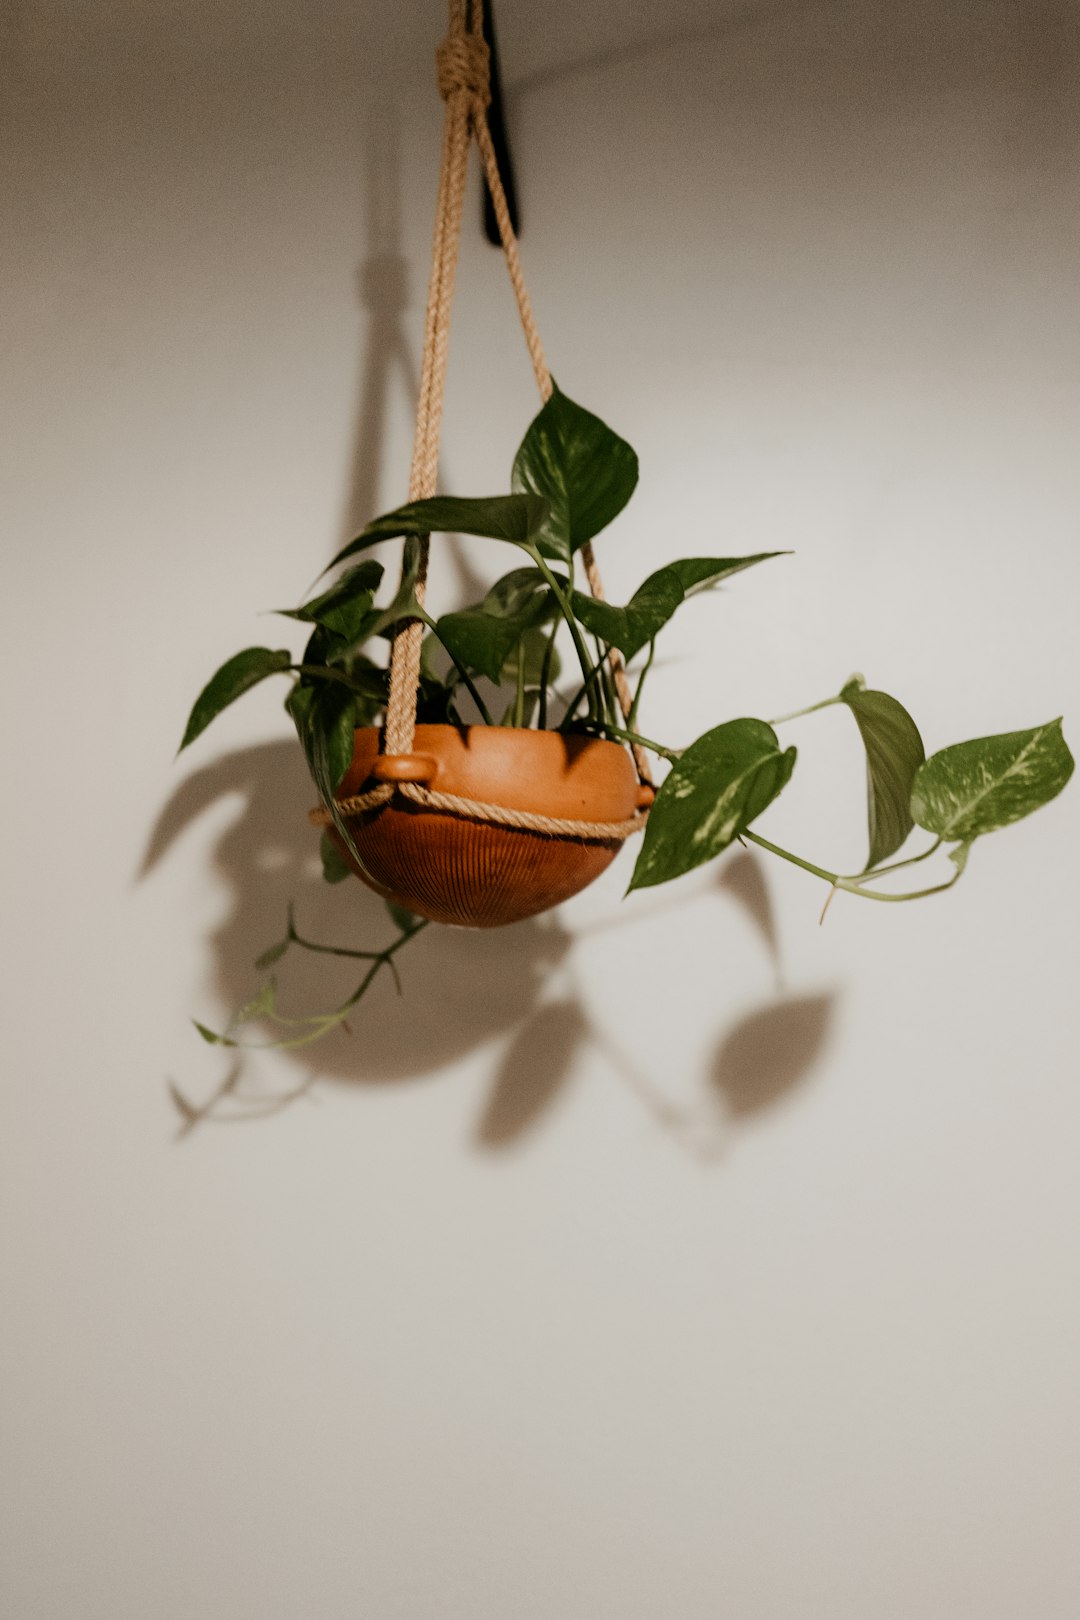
{"type": "Point", "coordinates": [515, 986]}
{"type": "Point", "coordinates": [511, 990]}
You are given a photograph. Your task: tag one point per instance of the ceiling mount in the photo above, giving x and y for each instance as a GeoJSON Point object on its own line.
{"type": "Point", "coordinates": [497, 128]}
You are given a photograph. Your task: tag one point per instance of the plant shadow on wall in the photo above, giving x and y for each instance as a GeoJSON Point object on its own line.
{"type": "Point", "coordinates": [474, 770]}
{"type": "Point", "coordinates": [530, 1009]}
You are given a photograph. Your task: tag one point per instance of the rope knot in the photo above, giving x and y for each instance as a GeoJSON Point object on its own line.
{"type": "Point", "coordinates": [462, 62]}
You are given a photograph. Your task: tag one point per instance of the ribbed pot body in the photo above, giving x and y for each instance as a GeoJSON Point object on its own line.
{"type": "Point", "coordinates": [470, 873]}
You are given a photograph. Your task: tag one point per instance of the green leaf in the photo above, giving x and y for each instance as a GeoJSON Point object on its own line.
{"type": "Point", "coordinates": [532, 651]}
{"type": "Point", "coordinates": [632, 627]}
{"type": "Point", "coordinates": [652, 604]}
{"type": "Point", "coordinates": [523, 594]}
{"type": "Point", "coordinates": [712, 793]}
{"type": "Point", "coordinates": [583, 471]}
{"type": "Point", "coordinates": [324, 716]}
{"type": "Point", "coordinates": [516, 518]}
{"type": "Point", "coordinates": [430, 659]}
{"type": "Point", "coordinates": [345, 606]}
{"type": "Point", "coordinates": [232, 680]}
{"type": "Point", "coordinates": [211, 1037]}
{"type": "Point", "coordinates": [483, 638]}
{"type": "Point", "coordinates": [334, 869]}
{"type": "Point", "coordinates": [894, 752]}
{"type": "Point", "coordinates": [405, 604]}
{"type": "Point", "coordinates": [701, 573]}
{"type": "Point", "coordinates": [335, 707]}
{"type": "Point", "coordinates": [478, 640]}
{"type": "Point", "coordinates": [976, 787]}
{"type": "Point", "coordinates": [323, 646]}
{"type": "Point", "coordinates": [298, 705]}
{"type": "Point", "coordinates": [959, 856]}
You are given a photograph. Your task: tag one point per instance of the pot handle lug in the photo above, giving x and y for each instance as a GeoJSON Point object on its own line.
{"type": "Point", "coordinates": [405, 768]}
{"type": "Point", "coordinates": [645, 797]}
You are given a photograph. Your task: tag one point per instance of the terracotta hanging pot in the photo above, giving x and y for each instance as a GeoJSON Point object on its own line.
{"type": "Point", "coordinates": [458, 869]}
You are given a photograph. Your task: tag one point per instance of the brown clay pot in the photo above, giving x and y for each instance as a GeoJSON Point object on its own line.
{"type": "Point", "coordinates": [470, 873]}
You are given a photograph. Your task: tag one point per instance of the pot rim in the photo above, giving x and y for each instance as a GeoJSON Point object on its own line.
{"type": "Point", "coordinates": [582, 738]}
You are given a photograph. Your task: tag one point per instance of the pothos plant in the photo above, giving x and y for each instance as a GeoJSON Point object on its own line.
{"type": "Point", "coordinates": [498, 663]}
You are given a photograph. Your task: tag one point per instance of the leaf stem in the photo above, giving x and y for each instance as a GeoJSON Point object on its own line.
{"type": "Point", "coordinates": [607, 683]}
{"type": "Point", "coordinates": [631, 718]}
{"type": "Point", "coordinates": [797, 714]}
{"type": "Point", "coordinates": [572, 624]}
{"type": "Point", "coordinates": [519, 697]}
{"type": "Point", "coordinates": [850, 885]}
{"type": "Point", "coordinates": [642, 742]}
{"type": "Point", "coordinates": [912, 860]}
{"type": "Point", "coordinates": [322, 672]}
{"type": "Point", "coordinates": [584, 690]}
{"type": "Point", "coordinates": [545, 676]}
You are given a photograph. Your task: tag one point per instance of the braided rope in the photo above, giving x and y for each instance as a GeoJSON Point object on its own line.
{"type": "Point", "coordinates": [498, 815]}
{"type": "Point", "coordinates": [462, 69]}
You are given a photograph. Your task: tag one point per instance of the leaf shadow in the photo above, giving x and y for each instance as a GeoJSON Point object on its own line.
{"type": "Point", "coordinates": [742, 877]}
{"type": "Point", "coordinates": [760, 1062]}
{"type": "Point", "coordinates": [533, 1072]}
{"type": "Point", "coordinates": [267, 859]}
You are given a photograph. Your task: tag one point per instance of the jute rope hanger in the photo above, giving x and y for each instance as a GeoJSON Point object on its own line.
{"type": "Point", "coordinates": [462, 67]}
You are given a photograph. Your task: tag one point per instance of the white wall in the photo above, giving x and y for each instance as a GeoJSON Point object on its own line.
{"type": "Point", "coordinates": [674, 1258]}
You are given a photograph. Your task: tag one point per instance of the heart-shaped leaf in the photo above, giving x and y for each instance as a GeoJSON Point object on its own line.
{"type": "Point", "coordinates": [712, 793]}
{"type": "Point", "coordinates": [484, 637]}
{"type": "Point", "coordinates": [232, 680]}
{"type": "Point", "coordinates": [976, 787]}
{"type": "Point", "coordinates": [701, 573]}
{"type": "Point", "coordinates": [583, 471]}
{"type": "Point", "coordinates": [478, 641]}
{"type": "Point", "coordinates": [324, 716]}
{"type": "Point", "coordinates": [516, 518]}
{"type": "Point", "coordinates": [653, 603]}
{"type": "Point", "coordinates": [379, 621]}
{"type": "Point", "coordinates": [345, 606]}
{"type": "Point", "coordinates": [523, 594]}
{"type": "Point", "coordinates": [894, 752]}
{"type": "Point", "coordinates": [632, 627]}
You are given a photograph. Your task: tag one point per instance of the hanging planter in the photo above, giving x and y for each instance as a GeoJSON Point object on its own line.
{"type": "Point", "coordinates": [507, 823]}
{"type": "Point", "coordinates": [469, 780]}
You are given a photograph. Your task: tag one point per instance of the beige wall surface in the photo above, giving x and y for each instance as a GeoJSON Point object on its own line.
{"type": "Point", "coordinates": [667, 1258]}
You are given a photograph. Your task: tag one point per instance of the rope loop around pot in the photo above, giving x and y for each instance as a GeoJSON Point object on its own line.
{"type": "Point", "coordinates": [496, 815]}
